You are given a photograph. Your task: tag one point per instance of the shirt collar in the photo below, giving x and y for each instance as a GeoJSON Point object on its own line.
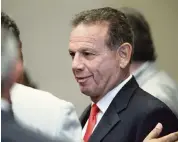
{"type": "Point", "coordinates": [104, 103]}
{"type": "Point", "coordinates": [5, 106]}
{"type": "Point", "coordinates": [141, 68]}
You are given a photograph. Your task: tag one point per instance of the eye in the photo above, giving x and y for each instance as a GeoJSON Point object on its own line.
{"type": "Point", "coordinates": [72, 54]}
{"type": "Point", "coordinates": [87, 54]}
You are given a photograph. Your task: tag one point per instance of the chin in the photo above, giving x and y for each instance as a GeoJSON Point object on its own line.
{"type": "Point", "coordinates": [85, 92]}
{"type": "Point", "coordinates": [88, 93]}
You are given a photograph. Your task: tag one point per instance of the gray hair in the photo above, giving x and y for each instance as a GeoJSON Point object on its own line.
{"type": "Point", "coordinates": [9, 54]}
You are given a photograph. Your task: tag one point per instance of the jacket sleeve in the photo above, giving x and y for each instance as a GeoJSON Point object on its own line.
{"type": "Point", "coordinates": [162, 115]}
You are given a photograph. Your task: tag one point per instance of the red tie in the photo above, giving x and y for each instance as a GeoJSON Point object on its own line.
{"type": "Point", "coordinates": [91, 122]}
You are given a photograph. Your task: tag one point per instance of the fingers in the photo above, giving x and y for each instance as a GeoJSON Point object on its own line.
{"type": "Point", "coordinates": [173, 137]}
{"type": "Point", "coordinates": [155, 132]}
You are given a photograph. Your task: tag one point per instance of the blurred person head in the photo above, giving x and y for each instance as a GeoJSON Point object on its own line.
{"type": "Point", "coordinates": [11, 66]}
{"type": "Point", "coordinates": [144, 48]}
{"type": "Point", "coordinates": [101, 48]}
{"type": "Point", "coordinates": [10, 24]}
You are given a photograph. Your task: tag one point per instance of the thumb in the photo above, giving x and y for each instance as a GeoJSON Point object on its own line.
{"type": "Point", "coordinates": [155, 132]}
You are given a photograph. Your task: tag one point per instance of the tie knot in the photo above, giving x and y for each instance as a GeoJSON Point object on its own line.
{"type": "Point", "coordinates": [94, 110]}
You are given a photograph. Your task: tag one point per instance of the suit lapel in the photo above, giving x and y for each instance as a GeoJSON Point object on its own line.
{"type": "Point", "coordinates": [108, 121]}
{"type": "Point", "coordinates": [85, 115]}
{"type": "Point", "coordinates": [111, 116]}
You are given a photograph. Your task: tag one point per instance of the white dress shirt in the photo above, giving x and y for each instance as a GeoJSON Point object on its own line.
{"type": "Point", "coordinates": [141, 68]}
{"type": "Point", "coordinates": [104, 103]}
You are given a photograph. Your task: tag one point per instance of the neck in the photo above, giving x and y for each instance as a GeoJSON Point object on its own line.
{"type": "Point", "coordinates": [6, 96]}
{"type": "Point", "coordinates": [121, 78]}
{"type": "Point", "coordinates": [135, 65]}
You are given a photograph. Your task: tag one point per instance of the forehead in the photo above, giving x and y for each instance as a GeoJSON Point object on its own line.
{"type": "Point", "coordinates": [91, 35]}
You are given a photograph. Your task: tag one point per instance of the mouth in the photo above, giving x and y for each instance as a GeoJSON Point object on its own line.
{"type": "Point", "coordinates": [82, 79]}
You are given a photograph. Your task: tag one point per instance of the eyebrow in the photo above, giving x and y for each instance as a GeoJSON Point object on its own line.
{"type": "Point", "coordinates": [81, 50]}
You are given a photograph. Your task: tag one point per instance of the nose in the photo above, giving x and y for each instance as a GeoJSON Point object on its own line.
{"type": "Point", "coordinates": [77, 63]}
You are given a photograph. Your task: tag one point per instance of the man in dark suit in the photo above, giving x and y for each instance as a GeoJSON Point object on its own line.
{"type": "Point", "coordinates": [101, 49]}
{"type": "Point", "coordinates": [11, 67]}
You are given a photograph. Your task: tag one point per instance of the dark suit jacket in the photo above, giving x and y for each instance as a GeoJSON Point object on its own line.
{"type": "Point", "coordinates": [132, 114]}
{"type": "Point", "coordinates": [12, 132]}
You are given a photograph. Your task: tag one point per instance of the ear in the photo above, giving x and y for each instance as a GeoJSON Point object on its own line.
{"type": "Point", "coordinates": [124, 53]}
{"type": "Point", "coordinates": [18, 71]}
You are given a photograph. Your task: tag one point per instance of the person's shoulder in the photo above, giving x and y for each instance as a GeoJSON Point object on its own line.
{"type": "Point", "coordinates": [22, 90]}
{"type": "Point", "coordinates": [162, 86]}
{"type": "Point", "coordinates": [148, 101]}
{"type": "Point", "coordinates": [161, 80]}
{"type": "Point", "coordinates": [59, 114]}
{"type": "Point", "coordinates": [29, 97]}
{"type": "Point", "coordinates": [21, 93]}
{"type": "Point", "coordinates": [146, 105]}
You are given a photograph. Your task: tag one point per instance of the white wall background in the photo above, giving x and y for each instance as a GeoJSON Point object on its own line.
{"type": "Point", "coordinates": [45, 28]}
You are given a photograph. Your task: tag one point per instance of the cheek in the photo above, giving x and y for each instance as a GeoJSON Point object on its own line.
{"type": "Point", "coordinates": [100, 73]}
{"type": "Point", "coordinates": [105, 71]}
{"type": "Point", "coordinates": [73, 71]}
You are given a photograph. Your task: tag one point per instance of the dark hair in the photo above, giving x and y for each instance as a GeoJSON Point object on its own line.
{"type": "Point", "coordinates": [10, 24]}
{"type": "Point", "coordinates": [144, 49]}
{"type": "Point", "coordinates": [119, 30]}
{"type": "Point", "coordinates": [27, 80]}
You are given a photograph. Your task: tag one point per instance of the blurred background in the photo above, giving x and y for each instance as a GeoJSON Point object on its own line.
{"type": "Point", "coordinates": [45, 28]}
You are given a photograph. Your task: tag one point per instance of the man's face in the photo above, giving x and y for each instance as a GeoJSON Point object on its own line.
{"type": "Point", "coordinates": [96, 68]}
